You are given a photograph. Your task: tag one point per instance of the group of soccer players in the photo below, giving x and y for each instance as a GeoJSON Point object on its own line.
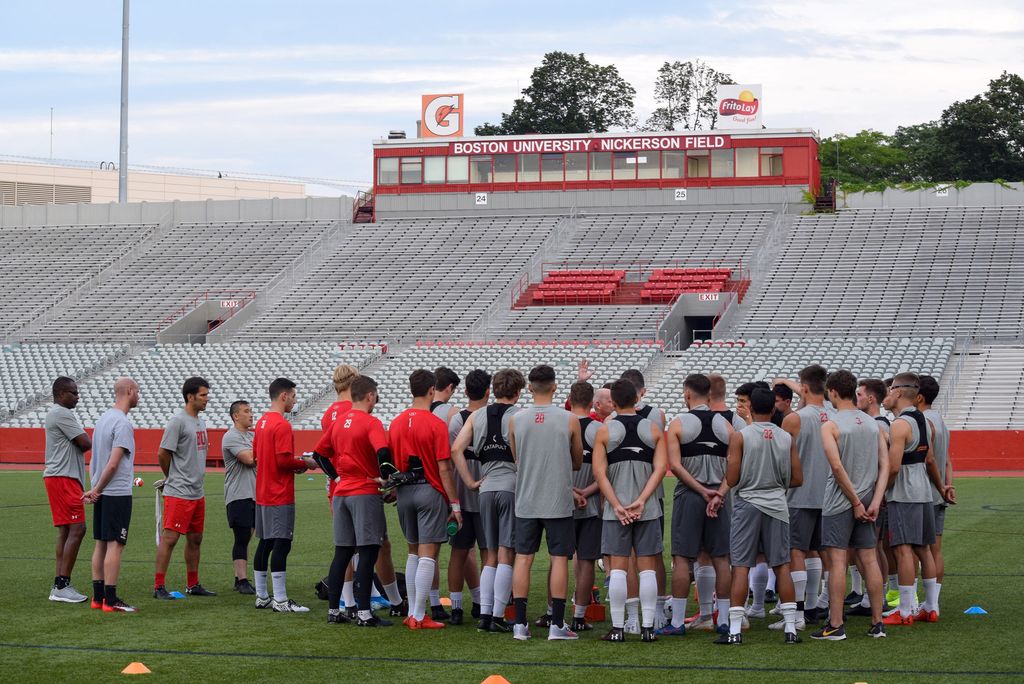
{"type": "Point", "coordinates": [770, 502]}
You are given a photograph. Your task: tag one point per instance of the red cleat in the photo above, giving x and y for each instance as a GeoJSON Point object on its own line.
{"type": "Point", "coordinates": [97, 605]}
{"type": "Point", "coordinates": [926, 616]}
{"type": "Point", "coordinates": [897, 619]}
{"type": "Point", "coordinates": [429, 623]}
{"type": "Point", "coordinates": [411, 622]}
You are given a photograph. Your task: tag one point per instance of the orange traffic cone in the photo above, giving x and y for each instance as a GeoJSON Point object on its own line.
{"type": "Point", "coordinates": [135, 669]}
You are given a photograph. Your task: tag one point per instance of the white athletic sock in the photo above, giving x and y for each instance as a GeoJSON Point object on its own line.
{"type": "Point", "coordinates": [424, 578]}
{"type": "Point", "coordinates": [865, 600]}
{"type": "Point", "coordinates": [373, 590]}
{"type": "Point", "coordinates": [348, 594]}
{"type": "Point", "coordinates": [723, 611]}
{"type": "Point", "coordinates": [678, 611]}
{"type": "Point", "coordinates": [475, 594]}
{"type": "Point", "coordinates": [735, 619]}
{"type": "Point", "coordinates": [280, 589]}
{"type": "Point", "coordinates": [261, 583]}
{"type": "Point", "coordinates": [435, 597]}
{"type": "Point", "coordinates": [931, 594]}
{"type": "Point", "coordinates": [411, 563]}
{"type": "Point", "coordinates": [906, 600]}
{"type": "Point", "coordinates": [579, 612]}
{"type": "Point", "coordinates": [771, 580]}
{"type": "Point", "coordinates": [759, 584]}
{"type": "Point", "coordinates": [813, 568]}
{"type": "Point", "coordinates": [704, 578]}
{"type": "Point", "coordinates": [856, 581]}
{"type": "Point", "coordinates": [393, 592]}
{"type": "Point", "coordinates": [894, 583]}
{"type": "Point", "coordinates": [456, 597]}
{"type": "Point", "coordinates": [916, 605]}
{"type": "Point", "coordinates": [789, 617]}
{"type": "Point", "coordinates": [938, 591]}
{"type": "Point", "coordinates": [648, 597]}
{"type": "Point", "coordinates": [502, 589]}
{"type": "Point", "coordinates": [633, 610]}
{"type": "Point", "coordinates": [617, 597]}
{"type": "Point", "coordinates": [486, 589]}
{"type": "Point", "coordinates": [823, 599]}
{"type": "Point", "coordinates": [800, 584]}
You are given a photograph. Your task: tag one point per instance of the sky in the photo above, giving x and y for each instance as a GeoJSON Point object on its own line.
{"type": "Point", "coordinates": [302, 88]}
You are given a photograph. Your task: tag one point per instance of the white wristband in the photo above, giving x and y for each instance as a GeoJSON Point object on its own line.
{"type": "Point", "coordinates": [456, 508]}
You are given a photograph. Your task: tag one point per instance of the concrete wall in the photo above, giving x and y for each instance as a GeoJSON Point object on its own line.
{"type": "Point", "coordinates": [629, 201]}
{"type": "Point", "coordinates": [306, 208]}
{"type": "Point", "coordinates": [975, 195]}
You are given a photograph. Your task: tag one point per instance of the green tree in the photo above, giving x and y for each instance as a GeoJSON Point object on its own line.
{"type": "Point", "coordinates": [685, 93]}
{"type": "Point", "coordinates": [868, 157]}
{"type": "Point", "coordinates": [568, 94]}
{"type": "Point", "coordinates": [925, 157]}
{"type": "Point", "coordinates": [983, 137]}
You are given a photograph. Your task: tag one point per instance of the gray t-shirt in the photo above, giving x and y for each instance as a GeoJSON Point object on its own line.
{"type": "Point", "coordinates": [469, 498]}
{"type": "Point", "coordinates": [707, 469]}
{"type": "Point", "coordinates": [940, 447]}
{"type": "Point", "coordinates": [113, 430]}
{"type": "Point", "coordinates": [500, 476]}
{"type": "Point", "coordinates": [239, 478]}
{"type": "Point", "coordinates": [584, 477]}
{"type": "Point", "coordinates": [63, 457]}
{"type": "Point", "coordinates": [765, 469]}
{"type": "Point", "coordinates": [653, 414]}
{"type": "Point", "coordinates": [812, 458]}
{"type": "Point", "coordinates": [441, 411]}
{"type": "Point", "coordinates": [858, 452]}
{"type": "Point", "coordinates": [629, 477]}
{"type": "Point", "coordinates": [185, 437]}
{"type": "Point", "coordinates": [544, 462]}
{"type": "Point", "coordinates": [912, 483]}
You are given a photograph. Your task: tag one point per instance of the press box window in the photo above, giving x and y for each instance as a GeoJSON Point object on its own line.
{"type": "Point", "coordinates": [504, 168]}
{"type": "Point", "coordinates": [771, 161]}
{"type": "Point", "coordinates": [387, 171]}
{"type": "Point", "coordinates": [529, 168]}
{"type": "Point", "coordinates": [648, 165]}
{"type": "Point", "coordinates": [480, 169]}
{"type": "Point", "coordinates": [722, 164]}
{"type": "Point", "coordinates": [576, 166]}
{"type": "Point", "coordinates": [433, 169]}
{"type": "Point", "coordinates": [625, 165]}
{"type": "Point", "coordinates": [746, 162]}
{"type": "Point", "coordinates": [671, 164]}
{"type": "Point", "coordinates": [600, 166]}
{"type": "Point", "coordinates": [412, 170]}
{"type": "Point", "coordinates": [698, 164]}
{"type": "Point", "coordinates": [552, 167]}
{"type": "Point", "coordinates": [458, 169]}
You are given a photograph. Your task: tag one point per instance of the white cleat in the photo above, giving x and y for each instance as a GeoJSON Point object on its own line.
{"type": "Point", "coordinates": [522, 632]}
{"type": "Point", "coordinates": [705, 623]}
{"type": "Point", "coordinates": [562, 633]}
{"type": "Point", "coordinates": [289, 606]}
{"type": "Point", "coordinates": [758, 613]}
{"type": "Point", "coordinates": [264, 602]}
{"type": "Point", "coordinates": [67, 595]}
{"type": "Point", "coordinates": [781, 625]}
{"type": "Point", "coordinates": [776, 610]}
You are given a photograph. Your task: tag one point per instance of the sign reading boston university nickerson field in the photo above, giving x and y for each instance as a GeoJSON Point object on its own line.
{"type": "Point", "coordinates": [633, 144]}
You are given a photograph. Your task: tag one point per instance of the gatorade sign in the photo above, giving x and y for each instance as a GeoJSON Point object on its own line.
{"type": "Point", "coordinates": [442, 116]}
{"type": "Point", "coordinates": [738, 106]}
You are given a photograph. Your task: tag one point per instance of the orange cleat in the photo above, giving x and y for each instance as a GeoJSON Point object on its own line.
{"type": "Point", "coordinates": [897, 619]}
{"type": "Point", "coordinates": [97, 605]}
{"type": "Point", "coordinates": [411, 622]}
{"type": "Point", "coordinates": [926, 616]}
{"type": "Point", "coordinates": [429, 623]}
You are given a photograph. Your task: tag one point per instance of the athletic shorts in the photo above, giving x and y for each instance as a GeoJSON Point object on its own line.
{"type": "Point", "coordinates": [184, 516]}
{"type": "Point", "coordinates": [65, 495]}
{"type": "Point", "coordinates": [844, 531]}
{"type": "Point", "coordinates": [882, 524]}
{"type": "Point", "coordinates": [560, 532]}
{"type": "Point", "coordinates": [275, 522]}
{"type": "Point", "coordinates": [471, 532]}
{"type": "Point", "coordinates": [359, 520]}
{"type": "Point", "coordinates": [643, 536]}
{"type": "Point", "coordinates": [588, 538]}
{"type": "Point", "coordinates": [805, 529]}
{"type": "Point", "coordinates": [753, 531]}
{"type": "Point", "coordinates": [498, 519]}
{"type": "Point", "coordinates": [111, 516]}
{"type": "Point", "coordinates": [693, 531]}
{"type": "Point", "coordinates": [940, 519]}
{"type": "Point", "coordinates": [911, 523]}
{"type": "Point", "coordinates": [242, 514]}
{"type": "Point", "coordinates": [423, 514]}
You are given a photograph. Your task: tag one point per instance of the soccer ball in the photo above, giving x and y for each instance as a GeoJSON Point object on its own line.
{"type": "Point", "coordinates": [139, 482]}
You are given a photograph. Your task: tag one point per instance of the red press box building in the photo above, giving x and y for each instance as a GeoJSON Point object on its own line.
{"type": "Point", "coordinates": [544, 173]}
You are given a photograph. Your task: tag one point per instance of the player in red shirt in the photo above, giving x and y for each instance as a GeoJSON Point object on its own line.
{"type": "Point", "coordinates": [358, 448]}
{"type": "Point", "coordinates": [276, 466]}
{"type": "Point", "coordinates": [419, 444]}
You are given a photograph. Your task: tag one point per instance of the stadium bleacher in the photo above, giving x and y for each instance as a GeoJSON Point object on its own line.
{"type": "Point", "coordinates": [990, 391]}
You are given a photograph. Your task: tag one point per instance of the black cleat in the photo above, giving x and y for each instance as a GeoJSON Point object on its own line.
{"type": "Point", "coordinates": [859, 611]}
{"type": "Point", "coordinates": [456, 618]}
{"type": "Point", "coordinates": [476, 611]}
{"type": "Point", "coordinates": [200, 590]}
{"type": "Point", "coordinates": [321, 589]}
{"type": "Point", "coordinates": [337, 618]}
{"type": "Point", "coordinates": [770, 597]}
{"type": "Point", "coordinates": [499, 626]}
{"type": "Point", "coordinates": [440, 614]}
{"type": "Point", "coordinates": [242, 586]}
{"type": "Point", "coordinates": [615, 634]}
{"type": "Point", "coordinates": [373, 621]}
{"type": "Point", "coordinates": [485, 624]}
{"type": "Point", "coordinates": [793, 638]}
{"type": "Point", "coordinates": [729, 639]}
{"type": "Point", "coordinates": [877, 631]}
{"type": "Point", "coordinates": [830, 633]}
{"type": "Point", "coordinates": [581, 625]}
{"type": "Point", "coordinates": [543, 621]}
{"type": "Point", "coordinates": [647, 635]}
{"type": "Point", "coordinates": [350, 613]}
{"type": "Point", "coordinates": [399, 610]}
{"type": "Point", "coordinates": [162, 593]}
{"type": "Point", "coordinates": [853, 598]}
{"type": "Point", "coordinates": [813, 615]}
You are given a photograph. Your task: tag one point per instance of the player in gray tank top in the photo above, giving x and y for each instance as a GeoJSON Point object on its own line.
{"type": "Point", "coordinates": [765, 471]}
{"type": "Point", "coordinates": [926, 397]}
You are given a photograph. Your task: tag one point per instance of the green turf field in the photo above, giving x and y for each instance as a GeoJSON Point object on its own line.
{"type": "Point", "coordinates": [226, 639]}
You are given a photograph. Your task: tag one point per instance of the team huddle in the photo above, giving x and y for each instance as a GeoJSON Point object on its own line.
{"type": "Point", "coordinates": [771, 506]}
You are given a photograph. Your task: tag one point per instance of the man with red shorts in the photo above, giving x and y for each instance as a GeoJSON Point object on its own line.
{"type": "Point", "coordinates": [64, 477]}
{"type": "Point", "coordinates": [182, 457]}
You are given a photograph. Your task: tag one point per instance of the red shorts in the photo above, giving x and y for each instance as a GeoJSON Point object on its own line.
{"type": "Point", "coordinates": [65, 494]}
{"type": "Point", "coordinates": [184, 515]}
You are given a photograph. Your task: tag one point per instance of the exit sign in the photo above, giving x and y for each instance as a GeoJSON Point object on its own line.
{"type": "Point", "coordinates": [707, 297]}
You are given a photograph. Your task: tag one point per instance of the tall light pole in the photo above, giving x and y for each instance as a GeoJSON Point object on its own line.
{"type": "Point", "coordinates": [122, 169]}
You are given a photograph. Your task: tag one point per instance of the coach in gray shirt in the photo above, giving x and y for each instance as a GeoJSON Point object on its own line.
{"type": "Point", "coordinates": [240, 490]}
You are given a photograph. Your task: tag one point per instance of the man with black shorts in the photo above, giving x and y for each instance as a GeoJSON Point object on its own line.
{"type": "Point", "coordinates": [545, 441]}
{"type": "Point", "coordinates": [462, 566]}
{"type": "Point", "coordinates": [111, 476]}
{"type": "Point", "coordinates": [909, 500]}
{"type": "Point", "coordinates": [419, 445]}
{"type": "Point", "coordinates": [357, 446]}
{"type": "Point", "coordinates": [486, 430]}
{"type": "Point", "coordinates": [698, 443]}
{"type": "Point", "coordinates": [277, 465]}
{"type": "Point", "coordinates": [858, 456]}
{"type": "Point", "coordinates": [926, 399]}
{"type": "Point", "coordinates": [182, 456]}
{"type": "Point", "coordinates": [64, 479]}
{"type": "Point", "coordinates": [629, 462]}
{"type": "Point", "coordinates": [586, 516]}
{"type": "Point", "coordinates": [762, 464]}
{"type": "Point", "coordinates": [240, 490]}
